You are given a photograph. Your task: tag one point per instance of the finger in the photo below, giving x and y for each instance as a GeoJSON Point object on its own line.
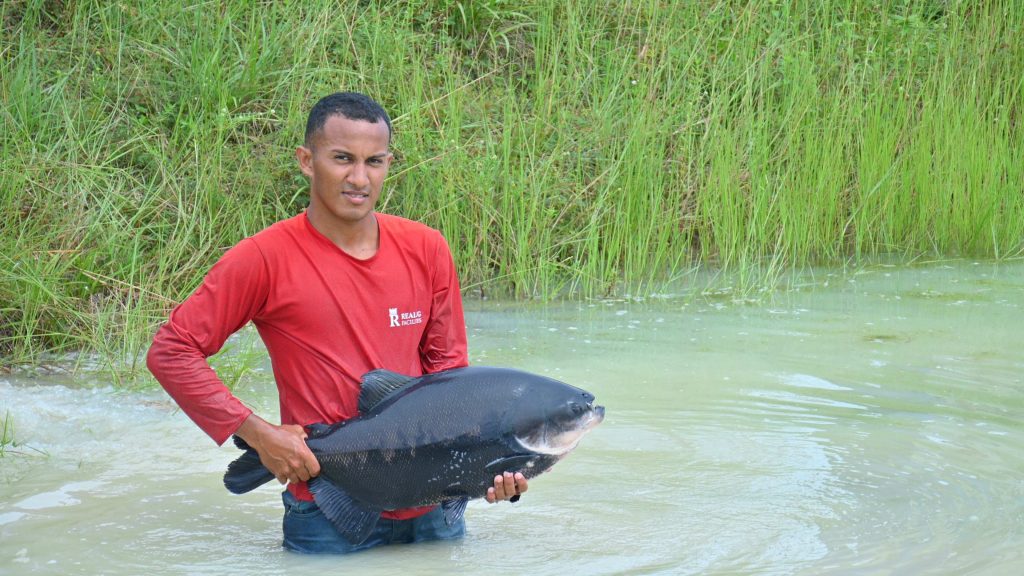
{"type": "Point", "coordinates": [521, 487]}
{"type": "Point", "coordinates": [502, 490]}
{"type": "Point", "coordinates": [512, 484]}
{"type": "Point", "coordinates": [313, 465]}
{"type": "Point", "coordinates": [490, 496]}
{"type": "Point", "coordinates": [521, 484]}
{"type": "Point", "coordinates": [307, 468]}
{"type": "Point", "coordinates": [499, 488]}
{"type": "Point", "coordinates": [508, 486]}
{"type": "Point", "coordinates": [314, 470]}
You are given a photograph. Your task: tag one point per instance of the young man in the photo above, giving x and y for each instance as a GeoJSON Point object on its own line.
{"type": "Point", "coordinates": [334, 292]}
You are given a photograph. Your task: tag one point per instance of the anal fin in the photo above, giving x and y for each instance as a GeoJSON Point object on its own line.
{"type": "Point", "coordinates": [454, 509]}
{"type": "Point", "coordinates": [353, 520]}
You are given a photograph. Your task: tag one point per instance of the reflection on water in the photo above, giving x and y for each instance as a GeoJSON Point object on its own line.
{"type": "Point", "coordinates": [861, 424]}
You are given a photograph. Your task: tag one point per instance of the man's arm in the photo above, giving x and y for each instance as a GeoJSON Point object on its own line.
{"type": "Point", "coordinates": [444, 347]}
{"type": "Point", "coordinates": [231, 295]}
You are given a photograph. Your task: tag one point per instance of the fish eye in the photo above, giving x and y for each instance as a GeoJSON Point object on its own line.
{"type": "Point", "coordinates": [576, 408]}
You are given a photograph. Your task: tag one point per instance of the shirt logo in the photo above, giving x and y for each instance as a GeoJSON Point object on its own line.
{"type": "Point", "coordinates": [399, 319]}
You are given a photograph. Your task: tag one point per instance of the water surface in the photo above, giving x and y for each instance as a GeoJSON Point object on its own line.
{"type": "Point", "coordinates": [860, 423]}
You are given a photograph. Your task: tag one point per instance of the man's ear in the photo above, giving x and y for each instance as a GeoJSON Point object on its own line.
{"type": "Point", "coordinates": [305, 157]}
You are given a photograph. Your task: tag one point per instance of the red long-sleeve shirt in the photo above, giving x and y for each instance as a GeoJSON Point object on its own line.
{"type": "Point", "coordinates": [326, 319]}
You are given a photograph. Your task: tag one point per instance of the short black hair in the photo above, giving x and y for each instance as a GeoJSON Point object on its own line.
{"type": "Point", "coordinates": [351, 105]}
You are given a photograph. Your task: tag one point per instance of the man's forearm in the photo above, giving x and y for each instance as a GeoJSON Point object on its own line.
{"type": "Point", "coordinates": [182, 369]}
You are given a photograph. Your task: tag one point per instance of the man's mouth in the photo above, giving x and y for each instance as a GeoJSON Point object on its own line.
{"type": "Point", "coordinates": [357, 196]}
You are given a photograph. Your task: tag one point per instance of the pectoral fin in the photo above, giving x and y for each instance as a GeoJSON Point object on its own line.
{"type": "Point", "coordinates": [511, 464]}
{"type": "Point", "coordinates": [353, 520]}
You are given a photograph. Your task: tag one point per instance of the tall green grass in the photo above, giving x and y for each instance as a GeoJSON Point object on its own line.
{"type": "Point", "coordinates": [564, 148]}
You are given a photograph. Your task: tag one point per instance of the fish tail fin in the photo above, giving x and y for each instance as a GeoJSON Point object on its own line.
{"type": "Point", "coordinates": [247, 472]}
{"type": "Point", "coordinates": [241, 444]}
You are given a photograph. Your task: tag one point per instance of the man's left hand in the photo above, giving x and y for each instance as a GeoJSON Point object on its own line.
{"type": "Point", "coordinates": [506, 487]}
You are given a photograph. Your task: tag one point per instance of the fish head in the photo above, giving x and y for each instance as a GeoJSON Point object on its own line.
{"type": "Point", "coordinates": [552, 419]}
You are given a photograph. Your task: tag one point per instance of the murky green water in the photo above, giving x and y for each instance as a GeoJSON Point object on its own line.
{"type": "Point", "coordinates": [868, 424]}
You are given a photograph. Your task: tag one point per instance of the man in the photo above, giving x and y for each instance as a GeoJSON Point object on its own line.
{"type": "Point", "coordinates": [334, 292]}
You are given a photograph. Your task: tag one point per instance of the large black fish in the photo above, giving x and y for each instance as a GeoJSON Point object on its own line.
{"type": "Point", "coordinates": [437, 439]}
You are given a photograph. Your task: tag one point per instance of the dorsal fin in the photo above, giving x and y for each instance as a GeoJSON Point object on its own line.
{"type": "Point", "coordinates": [378, 385]}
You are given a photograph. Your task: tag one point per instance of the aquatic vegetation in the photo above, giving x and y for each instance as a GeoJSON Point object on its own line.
{"type": "Point", "coordinates": [6, 434]}
{"type": "Point", "coordinates": [9, 445]}
{"type": "Point", "coordinates": [565, 149]}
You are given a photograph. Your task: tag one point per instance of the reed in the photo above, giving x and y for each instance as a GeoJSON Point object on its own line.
{"type": "Point", "coordinates": [565, 149]}
{"type": "Point", "coordinates": [7, 442]}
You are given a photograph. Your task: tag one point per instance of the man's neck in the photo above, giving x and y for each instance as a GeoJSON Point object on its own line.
{"type": "Point", "coordinates": [359, 240]}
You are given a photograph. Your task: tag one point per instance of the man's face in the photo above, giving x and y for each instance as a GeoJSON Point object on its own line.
{"type": "Point", "coordinates": [346, 162]}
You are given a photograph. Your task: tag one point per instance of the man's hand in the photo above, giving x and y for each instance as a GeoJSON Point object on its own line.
{"type": "Point", "coordinates": [282, 449]}
{"type": "Point", "coordinates": [507, 487]}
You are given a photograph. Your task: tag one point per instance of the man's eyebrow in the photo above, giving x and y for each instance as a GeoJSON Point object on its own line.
{"type": "Point", "coordinates": [378, 155]}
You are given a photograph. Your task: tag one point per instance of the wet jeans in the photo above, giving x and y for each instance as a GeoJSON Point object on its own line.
{"type": "Point", "coordinates": [308, 531]}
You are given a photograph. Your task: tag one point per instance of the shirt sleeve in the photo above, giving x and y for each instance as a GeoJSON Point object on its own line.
{"type": "Point", "coordinates": [230, 295]}
{"type": "Point", "coordinates": [443, 345]}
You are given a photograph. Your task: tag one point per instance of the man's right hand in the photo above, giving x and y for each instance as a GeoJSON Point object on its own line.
{"type": "Point", "coordinates": [282, 449]}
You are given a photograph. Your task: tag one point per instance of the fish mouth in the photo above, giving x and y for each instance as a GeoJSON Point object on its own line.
{"type": "Point", "coordinates": [558, 439]}
{"type": "Point", "coordinates": [593, 417]}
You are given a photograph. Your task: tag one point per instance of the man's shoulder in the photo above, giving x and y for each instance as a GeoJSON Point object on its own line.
{"type": "Point", "coordinates": [406, 228]}
{"type": "Point", "coordinates": [282, 231]}
{"type": "Point", "coordinates": [273, 243]}
{"type": "Point", "coordinates": [288, 226]}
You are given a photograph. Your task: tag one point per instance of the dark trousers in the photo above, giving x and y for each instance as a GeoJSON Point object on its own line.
{"type": "Point", "coordinates": [308, 531]}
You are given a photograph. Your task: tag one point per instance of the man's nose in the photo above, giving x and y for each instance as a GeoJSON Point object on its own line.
{"type": "Point", "coordinates": [358, 176]}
